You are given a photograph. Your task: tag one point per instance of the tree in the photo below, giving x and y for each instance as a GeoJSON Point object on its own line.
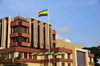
{"type": "Point", "coordinates": [96, 52]}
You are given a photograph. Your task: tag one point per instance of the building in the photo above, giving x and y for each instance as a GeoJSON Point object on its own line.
{"type": "Point", "coordinates": [19, 37]}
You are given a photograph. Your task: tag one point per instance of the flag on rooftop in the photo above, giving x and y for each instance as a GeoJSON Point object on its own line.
{"type": "Point", "coordinates": [43, 13]}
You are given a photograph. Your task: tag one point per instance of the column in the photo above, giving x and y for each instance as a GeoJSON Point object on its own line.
{"type": "Point", "coordinates": [22, 55]}
{"type": "Point", "coordinates": [46, 36]}
{"type": "Point", "coordinates": [35, 34]}
{"type": "Point", "coordinates": [27, 55]}
{"type": "Point", "coordinates": [41, 35]}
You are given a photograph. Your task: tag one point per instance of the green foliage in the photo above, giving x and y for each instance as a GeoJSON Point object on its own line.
{"type": "Point", "coordinates": [96, 52]}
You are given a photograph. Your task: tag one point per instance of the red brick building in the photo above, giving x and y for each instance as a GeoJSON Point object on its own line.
{"type": "Point", "coordinates": [19, 37]}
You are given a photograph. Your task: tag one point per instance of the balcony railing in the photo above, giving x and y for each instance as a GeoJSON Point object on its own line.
{"type": "Point", "coordinates": [13, 35]}
{"type": "Point", "coordinates": [25, 35]}
{"type": "Point", "coordinates": [14, 23]}
{"type": "Point", "coordinates": [25, 24]}
{"type": "Point", "coordinates": [14, 44]}
{"type": "Point", "coordinates": [25, 44]}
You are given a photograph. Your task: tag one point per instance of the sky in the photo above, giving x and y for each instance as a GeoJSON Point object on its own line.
{"type": "Point", "coordinates": [77, 20]}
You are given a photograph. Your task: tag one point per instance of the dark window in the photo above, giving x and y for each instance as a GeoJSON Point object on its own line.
{"type": "Point", "coordinates": [11, 29]}
{"type": "Point", "coordinates": [50, 37]}
{"type": "Point", "coordinates": [32, 43]}
{"type": "Point", "coordinates": [7, 35]}
{"type": "Point", "coordinates": [69, 64]}
{"type": "Point", "coordinates": [24, 30]}
{"type": "Point", "coordinates": [55, 64]}
{"type": "Point", "coordinates": [68, 55]}
{"type": "Point", "coordinates": [54, 45]}
{"type": "Point", "coordinates": [23, 39]}
{"type": "Point", "coordinates": [38, 36]}
{"type": "Point", "coordinates": [30, 56]}
{"type": "Point", "coordinates": [44, 36]}
{"type": "Point", "coordinates": [46, 56]}
{"type": "Point", "coordinates": [54, 56]}
{"type": "Point", "coordinates": [35, 57]}
{"type": "Point", "coordinates": [53, 36]}
{"type": "Point", "coordinates": [15, 39]}
{"type": "Point", "coordinates": [12, 54]}
{"type": "Point", "coordinates": [90, 59]}
{"type": "Point", "coordinates": [25, 55]}
{"type": "Point", "coordinates": [63, 64]}
{"type": "Point", "coordinates": [15, 29]}
{"type": "Point", "coordinates": [62, 56]}
{"type": "Point", "coordinates": [80, 58]}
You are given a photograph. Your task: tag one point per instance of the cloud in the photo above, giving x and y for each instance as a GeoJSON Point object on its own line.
{"type": "Point", "coordinates": [58, 37]}
{"type": "Point", "coordinates": [63, 31]}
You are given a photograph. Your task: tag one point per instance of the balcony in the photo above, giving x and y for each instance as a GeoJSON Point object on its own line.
{"type": "Point", "coordinates": [25, 44]}
{"type": "Point", "coordinates": [58, 60]}
{"type": "Point", "coordinates": [14, 44]}
{"type": "Point", "coordinates": [54, 41]}
{"type": "Point", "coordinates": [25, 35]}
{"type": "Point", "coordinates": [19, 17]}
{"type": "Point", "coordinates": [25, 24]}
{"type": "Point", "coordinates": [14, 23]}
{"type": "Point", "coordinates": [54, 32]}
{"type": "Point", "coordinates": [13, 35]}
{"type": "Point", "coordinates": [91, 55]}
{"type": "Point", "coordinates": [91, 63]}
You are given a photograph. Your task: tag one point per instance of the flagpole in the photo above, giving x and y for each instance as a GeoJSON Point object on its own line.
{"type": "Point", "coordinates": [48, 38]}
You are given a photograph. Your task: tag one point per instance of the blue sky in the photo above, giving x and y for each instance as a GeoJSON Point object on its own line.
{"type": "Point", "coordinates": [77, 20]}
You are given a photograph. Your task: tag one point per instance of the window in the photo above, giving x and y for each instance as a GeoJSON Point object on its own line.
{"type": "Point", "coordinates": [15, 39]}
{"type": "Point", "coordinates": [32, 35]}
{"type": "Point", "coordinates": [30, 56]}
{"type": "Point", "coordinates": [80, 58]}
{"type": "Point", "coordinates": [68, 55]}
{"type": "Point", "coordinates": [38, 36]}
{"type": "Point", "coordinates": [19, 55]}
{"type": "Point", "coordinates": [55, 64]}
{"type": "Point", "coordinates": [53, 36]}
{"type": "Point", "coordinates": [69, 64]}
{"type": "Point", "coordinates": [54, 56]}
{"type": "Point", "coordinates": [12, 54]}
{"type": "Point", "coordinates": [15, 29]}
{"type": "Point", "coordinates": [63, 64]}
{"type": "Point", "coordinates": [44, 36]}
{"type": "Point", "coordinates": [25, 55]}
{"type": "Point", "coordinates": [50, 37]}
{"type": "Point", "coordinates": [34, 57]}
{"type": "Point", "coordinates": [90, 59]}
{"type": "Point", "coordinates": [54, 45]}
{"type": "Point", "coordinates": [24, 30]}
{"type": "Point", "coordinates": [46, 56]}
{"type": "Point", "coordinates": [7, 35]}
{"type": "Point", "coordinates": [62, 56]}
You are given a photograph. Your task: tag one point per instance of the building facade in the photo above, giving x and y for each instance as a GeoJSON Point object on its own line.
{"type": "Point", "coordinates": [19, 37]}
